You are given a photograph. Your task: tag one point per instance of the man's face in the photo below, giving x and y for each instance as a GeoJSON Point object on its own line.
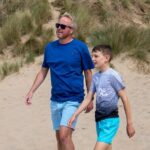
{"type": "Point", "coordinates": [64, 28]}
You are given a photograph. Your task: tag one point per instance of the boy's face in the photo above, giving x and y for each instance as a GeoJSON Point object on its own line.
{"type": "Point", "coordinates": [100, 60]}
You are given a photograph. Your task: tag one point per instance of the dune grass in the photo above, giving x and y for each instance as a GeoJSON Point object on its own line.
{"type": "Point", "coordinates": [64, 5]}
{"type": "Point", "coordinates": [26, 23]}
{"type": "Point", "coordinates": [18, 18]}
{"type": "Point", "coordinates": [40, 11]}
{"type": "Point", "coordinates": [85, 23]}
{"type": "Point", "coordinates": [2, 44]}
{"type": "Point", "coordinates": [125, 4]}
{"type": "Point", "coordinates": [8, 68]}
{"type": "Point", "coordinates": [29, 57]}
{"type": "Point", "coordinates": [130, 39]}
{"type": "Point", "coordinates": [147, 1]}
{"type": "Point", "coordinates": [47, 35]}
{"type": "Point", "coordinates": [16, 25]}
{"type": "Point", "coordinates": [95, 25]}
{"type": "Point", "coordinates": [12, 5]}
{"type": "Point", "coordinates": [10, 30]}
{"type": "Point", "coordinates": [22, 17]}
{"type": "Point", "coordinates": [100, 9]}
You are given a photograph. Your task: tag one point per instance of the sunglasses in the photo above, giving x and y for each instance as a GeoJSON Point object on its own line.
{"type": "Point", "coordinates": [62, 26]}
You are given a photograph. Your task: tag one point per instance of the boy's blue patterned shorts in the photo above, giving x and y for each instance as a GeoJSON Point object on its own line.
{"type": "Point", "coordinates": [107, 129]}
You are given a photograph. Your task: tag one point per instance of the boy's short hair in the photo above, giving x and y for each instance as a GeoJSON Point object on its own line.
{"type": "Point", "coordinates": [105, 49]}
{"type": "Point", "coordinates": [72, 18]}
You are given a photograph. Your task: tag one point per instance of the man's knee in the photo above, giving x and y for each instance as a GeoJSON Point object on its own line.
{"type": "Point", "coordinates": [65, 135]}
{"type": "Point", "coordinates": [64, 138]}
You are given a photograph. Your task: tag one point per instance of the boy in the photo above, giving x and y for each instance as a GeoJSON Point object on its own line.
{"type": "Point", "coordinates": [108, 86]}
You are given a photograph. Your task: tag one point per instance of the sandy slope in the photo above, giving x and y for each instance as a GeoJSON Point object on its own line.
{"type": "Point", "coordinates": [29, 127]}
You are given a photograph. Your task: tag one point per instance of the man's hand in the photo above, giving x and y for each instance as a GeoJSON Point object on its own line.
{"type": "Point", "coordinates": [89, 107]}
{"type": "Point", "coordinates": [28, 98]}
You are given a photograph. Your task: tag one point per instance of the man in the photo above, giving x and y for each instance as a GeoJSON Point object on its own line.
{"type": "Point", "coordinates": [67, 58]}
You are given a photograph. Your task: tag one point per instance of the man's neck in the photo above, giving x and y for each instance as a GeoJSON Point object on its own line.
{"type": "Point", "coordinates": [66, 40]}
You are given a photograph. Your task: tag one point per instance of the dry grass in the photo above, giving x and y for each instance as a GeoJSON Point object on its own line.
{"type": "Point", "coordinates": [95, 22]}
{"type": "Point", "coordinates": [8, 68]}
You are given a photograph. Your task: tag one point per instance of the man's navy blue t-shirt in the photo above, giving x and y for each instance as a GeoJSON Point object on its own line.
{"type": "Point", "coordinates": [66, 63]}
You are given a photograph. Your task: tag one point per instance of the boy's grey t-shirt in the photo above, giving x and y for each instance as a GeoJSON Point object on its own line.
{"type": "Point", "coordinates": [106, 84]}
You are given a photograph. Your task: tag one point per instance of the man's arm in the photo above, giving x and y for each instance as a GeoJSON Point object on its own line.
{"type": "Point", "coordinates": [37, 82]}
{"type": "Point", "coordinates": [88, 80]}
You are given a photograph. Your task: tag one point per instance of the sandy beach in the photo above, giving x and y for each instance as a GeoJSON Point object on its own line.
{"type": "Point", "coordinates": [29, 127]}
{"type": "Point", "coordinates": [25, 127]}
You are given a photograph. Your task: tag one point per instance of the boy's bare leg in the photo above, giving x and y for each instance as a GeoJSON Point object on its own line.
{"type": "Point", "coordinates": [64, 138]}
{"type": "Point", "coordinates": [102, 146]}
{"type": "Point", "coordinates": [109, 147]}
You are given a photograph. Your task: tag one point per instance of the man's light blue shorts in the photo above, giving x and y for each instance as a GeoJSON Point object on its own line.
{"type": "Point", "coordinates": [61, 112]}
{"type": "Point", "coordinates": [107, 129]}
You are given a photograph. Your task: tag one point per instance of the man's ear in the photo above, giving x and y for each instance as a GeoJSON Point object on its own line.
{"type": "Point", "coordinates": [71, 31]}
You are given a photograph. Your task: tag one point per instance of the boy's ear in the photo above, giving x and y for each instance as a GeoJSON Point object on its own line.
{"type": "Point", "coordinates": [108, 57]}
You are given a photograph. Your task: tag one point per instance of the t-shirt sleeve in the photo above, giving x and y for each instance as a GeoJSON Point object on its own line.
{"type": "Point", "coordinates": [117, 83]}
{"type": "Point", "coordinates": [44, 64]}
{"type": "Point", "coordinates": [93, 87]}
{"type": "Point", "coordinates": [87, 62]}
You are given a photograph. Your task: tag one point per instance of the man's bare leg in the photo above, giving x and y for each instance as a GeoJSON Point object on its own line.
{"type": "Point", "coordinates": [65, 137]}
{"type": "Point", "coordinates": [59, 147]}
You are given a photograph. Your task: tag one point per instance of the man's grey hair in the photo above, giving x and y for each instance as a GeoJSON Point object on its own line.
{"type": "Point", "coordinates": [72, 18]}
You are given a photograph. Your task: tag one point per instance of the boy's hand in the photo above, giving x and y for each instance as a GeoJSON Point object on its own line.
{"type": "Point", "coordinates": [71, 120]}
{"type": "Point", "coordinates": [89, 107]}
{"type": "Point", "coordinates": [130, 130]}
